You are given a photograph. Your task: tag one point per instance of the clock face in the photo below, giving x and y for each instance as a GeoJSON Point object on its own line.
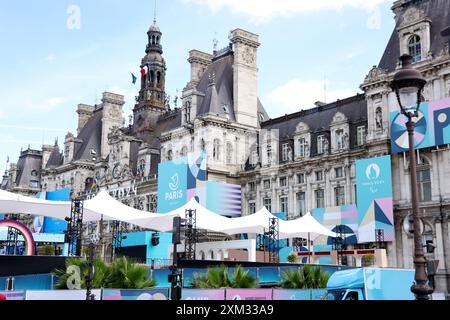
{"type": "Point", "coordinates": [116, 171]}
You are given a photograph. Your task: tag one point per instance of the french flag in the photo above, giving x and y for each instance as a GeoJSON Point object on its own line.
{"type": "Point", "coordinates": [144, 71]}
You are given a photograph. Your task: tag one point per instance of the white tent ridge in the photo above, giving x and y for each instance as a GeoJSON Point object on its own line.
{"type": "Point", "coordinates": [106, 208]}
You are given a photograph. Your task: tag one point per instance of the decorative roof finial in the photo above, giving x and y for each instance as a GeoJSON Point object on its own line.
{"type": "Point", "coordinates": [215, 42]}
{"type": "Point", "coordinates": [154, 17]}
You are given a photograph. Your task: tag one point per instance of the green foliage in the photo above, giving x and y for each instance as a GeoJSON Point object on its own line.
{"type": "Point", "coordinates": [306, 278]}
{"type": "Point", "coordinates": [292, 257]}
{"type": "Point", "coordinates": [48, 250]}
{"type": "Point", "coordinates": [120, 274]}
{"type": "Point", "coordinates": [218, 277]}
{"type": "Point", "coordinates": [127, 275]}
{"type": "Point", "coordinates": [368, 259]}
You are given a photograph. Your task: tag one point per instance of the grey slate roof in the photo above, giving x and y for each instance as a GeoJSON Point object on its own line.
{"type": "Point", "coordinates": [56, 158]}
{"type": "Point", "coordinates": [29, 161]}
{"type": "Point", "coordinates": [319, 120]}
{"type": "Point", "coordinates": [221, 93]}
{"type": "Point", "coordinates": [439, 13]}
{"type": "Point", "coordinates": [91, 135]}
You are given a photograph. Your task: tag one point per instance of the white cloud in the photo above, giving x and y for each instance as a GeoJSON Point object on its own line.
{"type": "Point", "coordinates": [260, 11]}
{"type": "Point", "coordinates": [299, 95]}
{"type": "Point", "coordinates": [50, 57]}
{"type": "Point", "coordinates": [47, 105]}
{"type": "Point", "coordinates": [2, 115]}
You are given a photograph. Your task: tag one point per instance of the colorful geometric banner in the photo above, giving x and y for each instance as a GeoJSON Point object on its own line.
{"type": "Point", "coordinates": [346, 217]}
{"type": "Point", "coordinates": [249, 294]}
{"type": "Point", "coordinates": [153, 294]}
{"type": "Point", "coordinates": [374, 195]}
{"type": "Point", "coordinates": [185, 178]}
{"type": "Point", "coordinates": [13, 295]}
{"type": "Point", "coordinates": [432, 127]}
{"type": "Point", "coordinates": [196, 294]}
{"type": "Point", "coordinates": [60, 295]}
{"type": "Point", "coordinates": [282, 294]}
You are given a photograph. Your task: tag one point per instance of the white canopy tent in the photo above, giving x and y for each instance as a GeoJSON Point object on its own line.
{"type": "Point", "coordinates": [306, 227]}
{"type": "Point", "coordinates": [12, 203]}
{"type": "Point", "coordinates": [105, 207]}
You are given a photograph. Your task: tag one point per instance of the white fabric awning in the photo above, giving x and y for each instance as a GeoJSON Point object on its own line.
{"type": "Point", "coordinates": [105, 207]}
{"type": "Point", "coordinates": [304, 227]}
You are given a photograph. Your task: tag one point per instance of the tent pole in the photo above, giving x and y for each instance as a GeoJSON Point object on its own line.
{"type": "Point", "coordinates": [309, 248]}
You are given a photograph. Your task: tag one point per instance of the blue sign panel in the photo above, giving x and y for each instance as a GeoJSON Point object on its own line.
{"type": "Point", "coordinates": [374, 194]}
{"type": "Point", "coordinates": [172, 185]}
{"type": "Point", "coordinates": [51, 225]}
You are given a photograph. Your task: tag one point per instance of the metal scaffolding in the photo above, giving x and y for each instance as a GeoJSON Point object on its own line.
{"type": "Point", "coordinates": [75, 227]}
{"type": "Point", "coordinates": [190, 242]}
{"type": "Point", "coordinates": [273, 240]}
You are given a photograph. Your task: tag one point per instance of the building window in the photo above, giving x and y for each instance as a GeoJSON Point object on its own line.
{"type": "Point", "coordinates": [301, 203]}
{"type": "Point", "coordinates": [34, 173]}
{"type": "Point", "coordinates": [424, 180]}
{"type": "Point", "coordinates": [251, 207]}
{"type": "Point", "coordinates": [269, 153]}
{"type": "Point", "coordinates": [229, 153]}
{"type": "Point", "coordinates": [361, 136]}
{"type": "Point", "coordinates": [34, 184]}
{"type": "Point", "coordinates": [415, 48]}
{"type": "Point", "coordinates": [320, 144]}
{"type": "Point", "coordinates": [320, 198]}
{"type": "Point", "coordinates": [339, 172]}
{"type": "Point", "coordinates": [339, 195]}
{"type": "Point", "coordinates": [302, 147]}
{"type": "Point", "coordinates": [300, 178]}
{"type": "Point", "coordinates": [283, 182]}
{"type": "Point", "coordinates": [284, 204]}
{"type": "Point", "coordinates": [319, 175]}
{"type": "Point", "coordinates": [216, 149]}
{"type": "Point", "coordinates": [268, 204]}
{"type": "Point", "coordinates": [170, 155]}
{"type": "Point", "coordinates": [252, 186]}
{"type": "Point", "coordinates": [339, 135]}
{"type": "Point", "coordinates": [267, 184]}
{"type": "Point", "coordinates": [285, 152]}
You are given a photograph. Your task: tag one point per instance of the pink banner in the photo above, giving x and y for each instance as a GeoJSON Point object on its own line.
{"type": "Point", "coordinates": [249, 294]}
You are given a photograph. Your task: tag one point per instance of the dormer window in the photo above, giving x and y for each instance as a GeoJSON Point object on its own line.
{"type": "Point", "coordinates": [261, 117]}
{"type": "Point", "coordinates": [415, 48]}
{"type": "Point", "coordinates": [225, 109]}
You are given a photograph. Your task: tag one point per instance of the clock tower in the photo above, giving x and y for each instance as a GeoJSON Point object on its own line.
{"type": "Point", "coordinates": [151, 102]}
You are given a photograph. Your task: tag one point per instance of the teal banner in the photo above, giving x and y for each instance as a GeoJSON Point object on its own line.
{"type": "Point", "coordinates": [374, 197]}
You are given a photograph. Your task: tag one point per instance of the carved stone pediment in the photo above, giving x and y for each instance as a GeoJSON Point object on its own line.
{"type": "Point", "coordinates": [375, 73]}
{"type": "Point", "coordinates": [302, 128]}
{"type": "Point", "coordinates": [339, 117]}
{"type": "Point", "coordinates": [413, 15]}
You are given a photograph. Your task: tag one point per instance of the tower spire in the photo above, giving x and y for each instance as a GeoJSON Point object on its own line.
{"type": "Point", "coordinates": [154, 14]}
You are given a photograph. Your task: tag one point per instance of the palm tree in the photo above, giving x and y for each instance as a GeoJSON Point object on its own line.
{"type": "Point", "coordinates": [218, 277]}
{"type": "Point", "coordinates": [125, 274]}
{"type": "Point", "coordinates": [100, 268]}
{"type": "Point", "coordinates": [120, 274]}
{"type": "Point", "coordinates": [306, 278]}
{"type": "Point", "coordinates": [241, 279]}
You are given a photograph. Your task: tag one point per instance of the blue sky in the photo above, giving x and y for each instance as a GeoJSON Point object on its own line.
{"type": "Point", "coordinates": [48, 65]}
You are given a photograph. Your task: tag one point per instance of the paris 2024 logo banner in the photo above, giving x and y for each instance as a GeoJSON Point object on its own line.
{"type": "Point", "coordinates": [374, 194]}
{"type": "Point", "coordinates": [432, 127]}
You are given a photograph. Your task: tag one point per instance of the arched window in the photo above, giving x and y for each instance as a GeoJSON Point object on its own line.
{"type": "Point", "coordinates": [415, 48]}
{"type": "Point", "coordinates": [216, 149]}
{"type": "Point", "coordinates": [211, 254]}
{"type": "Point", "coordinates": [153, 40]}
{"type": "Point", "coordinates": [229, 153]}
{"type": "Point", "coordinates": [424, 180]}
{"type": "Point", "coordinates": [158, 77]}
{"type": "Point", "coordinates": [202, 255]}
{"type": "Point", "coordinates": [34, 173]}
{"type": "Point", "coordinates": [170, 155]}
